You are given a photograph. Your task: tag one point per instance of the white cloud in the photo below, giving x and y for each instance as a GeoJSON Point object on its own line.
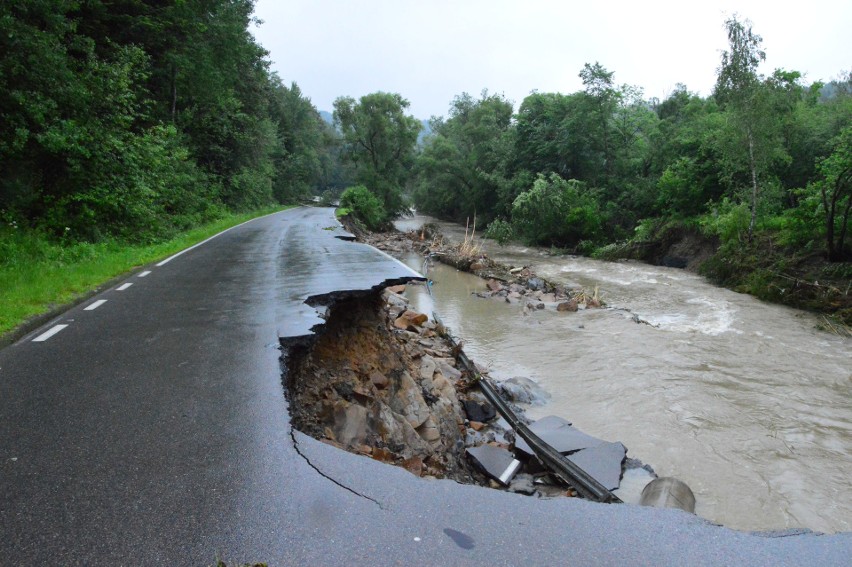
{"type": "Point", "coordinates": [431, 50]}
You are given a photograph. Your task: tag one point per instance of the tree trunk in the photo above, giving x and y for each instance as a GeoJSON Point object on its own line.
{"type": "Point", "coordinates": [754, 190]}
{"type": "Point", "coordinates": [174, 93]}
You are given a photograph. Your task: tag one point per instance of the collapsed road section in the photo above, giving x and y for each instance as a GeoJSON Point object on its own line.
{"type": "Point", "coordinates": [373, 377]}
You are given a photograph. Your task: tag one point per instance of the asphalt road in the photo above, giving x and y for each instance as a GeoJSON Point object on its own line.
{"type": "Point", "coordinates": [153, 430]}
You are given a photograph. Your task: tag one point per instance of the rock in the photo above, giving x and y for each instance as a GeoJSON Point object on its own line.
{"type": "Point", "coordinates": [602, 462]}
{"type": "Point", "coordinates": [477, 266]}
{"type": "Point", "coordinates": [427, 367]}
{"type": "Point", "coordinates": [414, 465]}
{"type": "Point", "coordinates": [523, 391]}
{"type": "Point", "coordinates": [350, 424]}
{"type": "Point", "coordinates": [539, 305]}
{"type": "Point", "coordinates": [548, 297]}
{"type": "Point", "coordinates": [405, 324]}
{"type": "Point", "coordinates": [494, 285]}
{"type": "Point", "coordinates": [523, 484]}
{"type": "Point", "coordinates": [415, 317]}
{"type": "Point", "coordinates": [409, 403]}
{"type": "Point", "coordinates": [397, 289]}
{"type": "Point", "coordinates": [446, 368]}
{"type": "Point", "coordinates": [478, 411]}
{"type": "Point", "coordinates": [429, 431]}
{"type": "Point", "coordinates": [379, 380]}
{"type": "Point", "coordinates": [495, 462]}
{"type": "Point", "coordinates": [569, 306]}
{"type": "Point", "coordinates": [477, 425]}
{"type": "Point", "coordinates": [382, 454]}
{"type": "Point", "coordinates": [535, 284]}
{"type": "Point", "coordinates": [396, 300]}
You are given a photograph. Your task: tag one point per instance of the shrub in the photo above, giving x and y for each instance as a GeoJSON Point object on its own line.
{"type": "Point", "coordinates": [365, 206]}
{"type": "Point", "coordinates": [500, 230]}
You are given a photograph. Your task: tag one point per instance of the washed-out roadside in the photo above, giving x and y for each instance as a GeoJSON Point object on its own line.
{"type": "Point", "coordinates": [385, 381]}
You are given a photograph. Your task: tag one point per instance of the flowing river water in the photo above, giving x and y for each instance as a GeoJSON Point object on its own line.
{"type": "Point", "coordinates": [744, 401]}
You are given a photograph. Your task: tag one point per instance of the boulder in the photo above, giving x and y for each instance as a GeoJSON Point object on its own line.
{"type": "Point", "coordinates": [350, 424]}
{"type": "Point", "coordinates": [415, 317]}
{"type": "Point", "coordinates": [379, 380]}
{"type": "Point", "coordinates": [535, 284]}
{"type": "Point", "coordinates": [427, 367]}
{"type": "Point", "coordinates": [569, 306]}
{"type": "Point", "coordinates": [523, 391]}
{"type": "Point", "coordinates": [445, 367]}
{"type": "Point", "coordinates": [494, 285]}
{"type": "Point", "coordinates": [414, 465]}
{"type": "Point", "coordinates": [408, 401]}
{"type": "Point", "coordinates": [479, 411]}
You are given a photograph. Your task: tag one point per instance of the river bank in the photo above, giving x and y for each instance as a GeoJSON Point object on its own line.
{"type": "Point", "coordinates": [744, 400]}
{"type": "Point", "coordinates": [760, 267]}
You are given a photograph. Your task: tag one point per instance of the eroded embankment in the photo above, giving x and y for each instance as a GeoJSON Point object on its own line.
{"type": "Point", "coordinates": [379, 380]}
{"type": "Point", "coordinates": [386, 382]}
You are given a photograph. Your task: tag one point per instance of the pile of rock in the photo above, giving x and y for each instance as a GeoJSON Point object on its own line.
{"type": "Point", "coordinates": [536, 294]}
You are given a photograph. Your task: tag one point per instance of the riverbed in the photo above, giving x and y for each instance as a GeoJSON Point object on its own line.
{"type": "Point", "coordinates": [745, 401]}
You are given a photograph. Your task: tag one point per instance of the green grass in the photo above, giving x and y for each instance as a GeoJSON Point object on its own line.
{"type": "Point", "coordinates": [37, 275]}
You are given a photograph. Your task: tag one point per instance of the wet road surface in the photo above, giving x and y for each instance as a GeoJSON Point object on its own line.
{"type": "Point", "coordinates": [152, 429]}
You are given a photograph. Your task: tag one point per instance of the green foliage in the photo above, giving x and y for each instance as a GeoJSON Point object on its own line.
{"type": "Point", "coordinates": [729, 221]}
{"type": "Point", "coordinates": [365, 206]}
{"type": "Point", "coordinates": [134, 120]}
{"type": "Point", "coordinates": [38, 272]}
{"type": "Point", "coordinates": [379, 142]}
{"type": "Point", "coordinates": [459, 173]}
{"type": "Point", "coordinates": [556, 211]}
{"type": "Point", "coordinates": [500, 230]}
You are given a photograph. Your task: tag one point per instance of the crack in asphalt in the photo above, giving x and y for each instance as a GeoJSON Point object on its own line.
{"type": "Point", "coordinates": [322, 474]}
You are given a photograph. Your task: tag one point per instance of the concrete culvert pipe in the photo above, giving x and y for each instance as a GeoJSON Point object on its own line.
{"type": "Point", "coordinates": [668, 492]}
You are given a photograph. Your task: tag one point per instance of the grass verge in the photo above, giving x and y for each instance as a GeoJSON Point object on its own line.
{"type": "Point", "coordinates": [38, 275]}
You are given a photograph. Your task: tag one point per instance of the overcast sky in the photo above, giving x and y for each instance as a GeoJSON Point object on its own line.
{"type": "Point", "coordinates": [432, 50]}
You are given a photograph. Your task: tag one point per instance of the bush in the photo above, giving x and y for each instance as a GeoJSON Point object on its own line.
{"type": "Point", "coordinates": [500, 230]}
{"type": "Point", "coordinates": [365, 206]}
{"type": "Point", "coordinates": [557, 211]}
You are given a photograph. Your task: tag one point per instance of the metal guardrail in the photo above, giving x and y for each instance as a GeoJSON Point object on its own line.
{"type": "Point", "coordinates": [552, 459]}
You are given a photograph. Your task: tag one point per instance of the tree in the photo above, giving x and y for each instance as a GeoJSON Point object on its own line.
{"type": "Point", "coordinates": [556, 211]}
{"type": "Point", "coordinates": [379, 141]}
{"type": "Point", "coordinates": [835, 189]}
{"type": "Point", "coordinates": [740, 90]}
{"type": "Point", "coordinates": [459, 169]}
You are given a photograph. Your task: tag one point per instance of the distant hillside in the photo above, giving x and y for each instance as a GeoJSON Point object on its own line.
{"type": "Point", "coordinates": [425, 131]}
{"type": "Point", "coordinates": [327, 116]}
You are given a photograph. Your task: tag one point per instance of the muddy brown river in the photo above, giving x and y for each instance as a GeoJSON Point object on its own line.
{"type": "Point", "coordinates": [745, 401]}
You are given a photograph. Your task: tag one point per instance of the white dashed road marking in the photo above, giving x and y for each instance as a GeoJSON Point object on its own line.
{"type": "Point", "coordinates": [122, 287]}
{"type": "Point", "coordinates": [95, 305]}
{"type": "Point", "coordinates": [143, 274]}
{"type": "Point", "coordinates": [49, 333]}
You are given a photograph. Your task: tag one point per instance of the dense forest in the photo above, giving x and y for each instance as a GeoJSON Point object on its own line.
{"type": "Point", "coordinates": [134, 120]}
